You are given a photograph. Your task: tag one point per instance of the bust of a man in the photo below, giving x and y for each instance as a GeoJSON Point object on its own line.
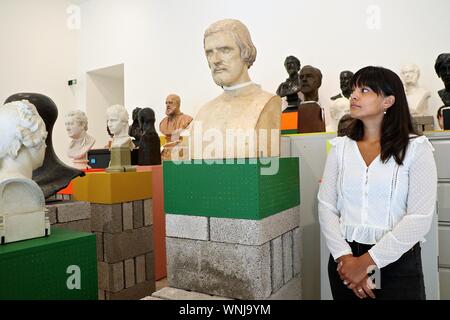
{"type": "Point", "coordinates": [22, 150]}
{"type": "Point", "coordinates": [149, 144]}
{"type": "Point", "coordinates": [172, 126]}
{"type": "Point", "coordinates": [341, 103]}
{"type": "Point", "coordinates": [76, 126]}
{"type": "Point", "coordinates": [290, 88]}
{"type": "Point", "coordinates": [442, 68]}
{"type": "Point", "coordinates": [417, 96]}
{"type": "Point", "coordinates": [117, 117]}
{"type": "Point", "coordinates": [243, 110]}
{"type": "Point", "coordinates": [310, 82]}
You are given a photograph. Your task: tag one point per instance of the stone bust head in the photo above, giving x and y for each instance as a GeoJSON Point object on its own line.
{"type": "Point", "coordinates": [76, 124]}
{"type": "Point", "coordinates": [230, 52]}
{"type": "Point", "coordinates": [173, 103]}
{"type": "Point", "coordinates": [410, 74]}
{"type": "Point", "coordinates": [310, 82]}
{"type": "Point", "coordinates": [345, 78]}
{"type": "Point", "coordinates": [22, 140]}
{"type": "Point", "coordinates": [117, 117]}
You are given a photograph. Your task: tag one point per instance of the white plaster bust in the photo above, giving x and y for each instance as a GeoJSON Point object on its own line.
{"type": "Point", "coordinates": [417, 96]}
{"type": "Point", "coordinates": [243, 105]}
{"type": "Point", "coordinates": [117, 117]}
{"type": "Point", "coordinates": [338, 108]}
{"type": "Point", "coordinates": [76, 126]}
{"type": "Point", "coordinates": [22, 150]}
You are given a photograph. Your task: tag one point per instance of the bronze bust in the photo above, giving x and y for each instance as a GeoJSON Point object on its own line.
{"type": "Point", "coordinates": [291, 86]}
{"type": "Point", "coordinates": [442, 68]}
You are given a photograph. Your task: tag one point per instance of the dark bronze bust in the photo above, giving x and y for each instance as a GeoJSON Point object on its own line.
{"type": "Point", "coordinates": [442, 68]}
{"type": "Point", "coordinates": [291, 86]}
{"type": "Point", "coordinates": [54, 175]}
{"type": "Point", "coordinates": [345, 78]}
{"type": "Point", "coordinates": [135, 130]}
{"type": "Point", "coordinates": [310, 82]}
{"type": "Point", "coordinates": [149, 144]}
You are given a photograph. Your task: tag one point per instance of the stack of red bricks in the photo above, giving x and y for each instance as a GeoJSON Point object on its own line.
{"type": "Point", "coordinates": [124, 249]}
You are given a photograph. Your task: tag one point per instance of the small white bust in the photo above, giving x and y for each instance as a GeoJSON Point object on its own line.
{"type": "Point", "coordinates": [117, 117]}
{"type": "Point", "coordinates": [76, 126]}
{"type": "Point", "coordinates": [22, 150]}
{"type": "Point", "coordinates": [417, 96]}
{"type": "Point", "coordinates": [338, 108]}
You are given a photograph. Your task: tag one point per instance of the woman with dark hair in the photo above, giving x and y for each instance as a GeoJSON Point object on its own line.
{"type": "Point", "coordinates": [377, 196]}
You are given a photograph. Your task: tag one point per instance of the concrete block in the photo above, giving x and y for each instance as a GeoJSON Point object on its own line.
{"type": "Point", "coordinates": [222, 269]}
{"type": "Point", "coordinates": [150, 266]}
{"type": "Point", "coordinates": [128, 244]}
{"type": "Point", "coordinates": [51, 214]}
{"type": "Point", "coordinates": [130, 276]}
{"type": "Point", "coordinates": [138, 214]}
{"type": "Point", "coordinates": [106, 218]}
{"type": "Point", "coordinates": [290, 291]}
{"type": "Point", "coordinates": [72, 211]}
{"type": "Point", "coordinates": [111, 276]}
{"type": "Point", "coordinates": [148, 212]}
{"type": "Point", "coordinates": [287, 257]}
{"type": "Point", "coordinates": [254, 232]}
{"type": "Point", "coordinates": [136, 292]}
{"type": "Point", "coordinates": [169, 293]}
{"type": "Point", "coordinates": [80, 225]}
{"type": "Point", "coordinates": [296, 251]}
{"type": "Point", "coordinates": [127, 214]}
{"type": "Point", "coordinates": [276, 252]}
{"type": "Point", "coordinates": [99, 237]}
{"type": "Point", "coordinates": [140, 269]}
{"type": "Point", "coordinates": [188, 227]}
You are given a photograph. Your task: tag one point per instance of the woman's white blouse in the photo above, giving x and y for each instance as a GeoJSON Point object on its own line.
{"type": "Point", "coordinates": [384, 204]}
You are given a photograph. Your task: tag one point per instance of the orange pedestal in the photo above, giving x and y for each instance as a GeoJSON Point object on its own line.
{"type": "Point", "coordinates": [159, 221]}
{"type": "Point", "coordinates": [69, 189]}
{"type": "Point", "coordinates": [289, 121]}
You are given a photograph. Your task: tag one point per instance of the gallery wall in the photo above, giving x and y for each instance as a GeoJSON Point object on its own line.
{"type": "Point", "coordinates": [161, 42]}
{"type": "Point", "coordinates": [38, 53]}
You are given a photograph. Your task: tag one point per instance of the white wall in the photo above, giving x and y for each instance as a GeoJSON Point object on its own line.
{"type": "Point", "coordinates": [38, 54]}
{"type": "Point", "coordinates": [161, 42]}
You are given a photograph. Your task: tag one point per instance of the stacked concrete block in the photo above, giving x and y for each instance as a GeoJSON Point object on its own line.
{"type": "Point", "coordinates": [424, 123]}
{"type": "Point", "coordinates": [235, 258]}
{"type": "Point", "coordinates": [72, 215]}
{"type": "Point", "coordinates": [125, 249]}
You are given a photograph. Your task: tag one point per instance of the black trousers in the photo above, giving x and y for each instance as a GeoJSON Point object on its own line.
{"type": "Point", "coordinates": [400, 280]}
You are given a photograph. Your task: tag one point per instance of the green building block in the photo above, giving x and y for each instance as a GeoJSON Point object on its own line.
{"type": "Point", "coordinates": [240, 191]}
{"type": "Point", "coordinates": [62, 266]}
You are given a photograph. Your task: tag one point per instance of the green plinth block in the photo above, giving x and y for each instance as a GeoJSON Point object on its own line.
{"type": "Point", "coordinates": [293, 131]}
{"type": "Point", "coordinates": [62, 266]}
{"type": "Point", "coordinates": [240, 191]}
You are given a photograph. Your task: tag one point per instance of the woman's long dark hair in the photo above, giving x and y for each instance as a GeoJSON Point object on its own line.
{"type": "Point", "coordinates": [397, 123]}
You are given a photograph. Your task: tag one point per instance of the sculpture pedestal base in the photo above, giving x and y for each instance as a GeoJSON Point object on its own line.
{"type": "Point", "coordinates": [120, 161]}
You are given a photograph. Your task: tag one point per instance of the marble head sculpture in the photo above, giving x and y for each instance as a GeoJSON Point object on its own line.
{"type": "Point", "coordinates": [340, 105]}
{"type": "Point", "coordinates": [417, 96]}
{"type": "Point", "coordinates": [121, 145]}
{"type": "Point", "coordinates": [53, 175]}
{"type": "Point", "coordinates": [243, 106]}
{"type": "Point", "coordinates": [149, 144]}
{"type": "Point", "coordinates": [291, 86]}
{"type": "Point", "coordinates": [76, 126]}
{"type": "Point", "coordinates": [442, 68]}
{"type": "Point", "coordinates": [22, 150]}
{"type": "Point", "coordinates": [172, 126]}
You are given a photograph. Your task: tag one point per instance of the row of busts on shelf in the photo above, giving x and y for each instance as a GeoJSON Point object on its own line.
{"type": "Point", "coordinates": [141, 134]}
{"type": "Point", "coordinates": [303, 85]}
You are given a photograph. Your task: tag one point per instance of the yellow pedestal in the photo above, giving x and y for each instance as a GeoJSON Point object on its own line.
{"type": "Point", "coordinates": [110, 188]}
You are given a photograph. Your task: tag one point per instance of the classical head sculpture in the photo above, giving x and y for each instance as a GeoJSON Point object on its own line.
{"type": "Point", "coordinates": [53, 175]}
{"type": "Point", "coordinates": [292, 65]}
{"type": "Point", "coordinates": [22, 140]}
{"type": "Point", "coordinates": [410, 74]}
{"type": "Point", "coordinates": [76, 124]}
{"type": "Point", "coordinates": [230, 52]}
{"type": "Point", "coordinates": [310, 82]}
{"type": "Point", "coordinates": [117, 117]}
{"type": "Point", "coordinates": [345, 78]}
{"type": "Point", "coordinates": [173, 103]}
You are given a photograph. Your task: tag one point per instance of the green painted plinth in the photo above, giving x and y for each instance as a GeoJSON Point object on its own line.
{"type": "Point", "coordinates": [240, 191]}
{"type": "Point", "coordinates": [50, 268]}
{"type": "Point", "coordinates": [293, 131]}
